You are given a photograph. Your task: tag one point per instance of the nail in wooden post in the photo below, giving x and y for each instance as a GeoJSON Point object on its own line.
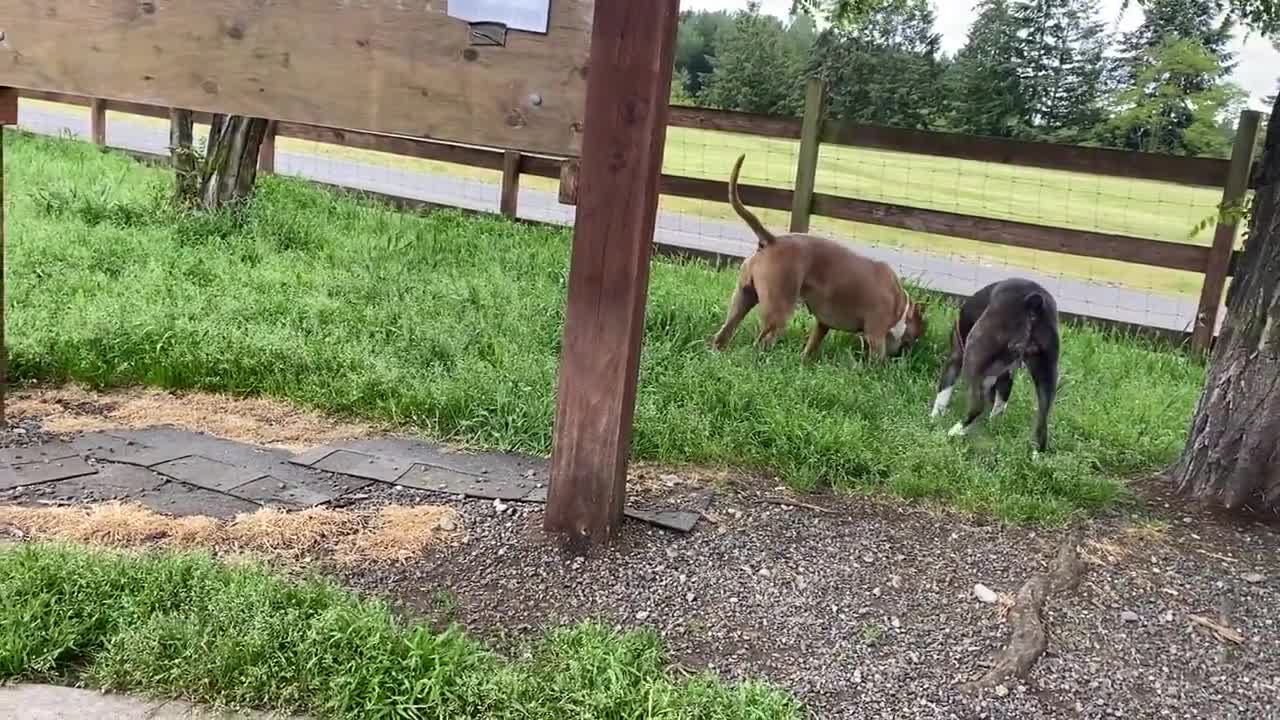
{"type": "Point", "coordinates": [807, 158]}
{"type": "Point", "coordinates": [510, 183]}
{"type": "Point", "coordinates": [98, 121]}
{"type": "Point", "coordinates": [8, 116]}
{"type": "Point", "coordinates": [628, 88]}
{"type": "Point", "coordinates": [1224, 238]}
{"type": "Point", "coordinates": [267, 151]}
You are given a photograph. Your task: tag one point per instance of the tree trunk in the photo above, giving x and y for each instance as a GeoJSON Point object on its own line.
{"type": "Point", "coordinates": [227, 173]}
{"type": "Point", "coordinates": [1232, 456]}
{"type": "Point", "coordinates": [186, 179]}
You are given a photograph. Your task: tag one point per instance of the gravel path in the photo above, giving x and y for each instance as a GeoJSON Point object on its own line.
{"type": "Point", "coordinates": [870, 611]}
{"type": "Point", "coordinates": [867, 609]}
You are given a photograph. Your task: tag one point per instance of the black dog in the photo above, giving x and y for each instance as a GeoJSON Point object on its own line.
{"type": "Point", "coordinates": [1004, 325]}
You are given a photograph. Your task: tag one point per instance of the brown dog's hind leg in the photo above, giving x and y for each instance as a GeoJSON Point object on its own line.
{"type": "Point", "coordinates": [815, 341]}
{"type": "Point", "coordinates": [775, 319]}
{"type": "Point", "coordinates": [744, 299]}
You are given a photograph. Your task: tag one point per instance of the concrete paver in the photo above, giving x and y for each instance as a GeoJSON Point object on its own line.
{"type": "Point", "coordinates": [51, 702]}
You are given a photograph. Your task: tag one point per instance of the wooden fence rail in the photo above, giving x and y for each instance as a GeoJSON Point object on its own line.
{"type": "Point", "coordinates": [1216, 262]}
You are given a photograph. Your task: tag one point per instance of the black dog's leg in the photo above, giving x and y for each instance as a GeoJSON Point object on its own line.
{"type": "Point", "coordinates": [977, 403]}
{"type": "Point", "coordinates": [947, 383]}
{"type": "Point", "coordinates": [1043, 368]}
{"type": "Point", "coordinates": [1000, 392]}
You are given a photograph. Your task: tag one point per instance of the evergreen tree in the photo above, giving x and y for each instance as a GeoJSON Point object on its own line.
{"type": "Point", "coordinates": [1163, 112]}
{"type": "Point", "coordinates": [985, 93]}
{"type": "Point", "coordinates": [754, 69]}
{"type": "Point", "coordinates": [1063, 69]}
{"type": "Point", "coordinates": [884, 70]}
{"type": "Point", "coordinates": [1148, 71]}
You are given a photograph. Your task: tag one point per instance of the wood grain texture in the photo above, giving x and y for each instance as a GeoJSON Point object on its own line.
{"type": "Point", "coordinates": [1218, 264]}
{"type": "Point", "coordinates": [8, 106]}
{"type": "Point", "coordinates": [631, 62]}
{"type": "Point", "coordinates": [1105, 246]}
{"type": "Point", "coordinates": [509, 193]}
{"type": "Point", "coordinates": [1209, 172]}
{"type": "Point", "coordinates": [568, 191]}
{"type": "Point", "coordinates": [267, 151]}
{"type": "Point", "coordinates": [807, 158]}
{"type": "Point", "coordinates": [743, 123]}
{"type": "Point", "coordinates": [395, 66]}
{"type": "Point", "coordinates": [98, 121]}
{"type": "Point", "coordinates": [8, 116]}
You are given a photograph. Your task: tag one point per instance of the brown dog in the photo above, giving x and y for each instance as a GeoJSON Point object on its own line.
{"type": "Point", "coordinates": [843, 290]}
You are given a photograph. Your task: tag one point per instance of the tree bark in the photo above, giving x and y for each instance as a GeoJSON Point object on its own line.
{"type": "Point", "coordinates": [186, 179]}
{"type": "Point", "coordinates": [1232, 455]}
{"type": "Point", "coordinates": [229, 169]}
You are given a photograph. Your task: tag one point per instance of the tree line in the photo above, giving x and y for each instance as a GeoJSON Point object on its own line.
{"type": "Point", "coordinates": [1050, 70]}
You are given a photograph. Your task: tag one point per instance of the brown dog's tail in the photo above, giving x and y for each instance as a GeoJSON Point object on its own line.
{"type": "Point", "coordinates": [765, 237]}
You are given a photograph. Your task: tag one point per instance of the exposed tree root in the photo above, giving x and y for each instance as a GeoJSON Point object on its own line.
{"type": "Point", "coordinates": [1028, 638]}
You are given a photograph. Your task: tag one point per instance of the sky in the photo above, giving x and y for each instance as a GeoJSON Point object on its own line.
{"type": "Point", "coordinates": [1257, 62]}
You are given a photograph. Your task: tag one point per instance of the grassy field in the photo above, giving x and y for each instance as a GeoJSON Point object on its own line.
{"type": "Point", "coordinates": [452, 323]}
{"type": "Point", "coordinates": [173, 625]}
{"type": "Point", "coordinates": [1138, 208]}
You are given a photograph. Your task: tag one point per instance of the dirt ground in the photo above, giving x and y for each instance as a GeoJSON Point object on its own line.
{"type": "Point", "coordinates": [862, 608]}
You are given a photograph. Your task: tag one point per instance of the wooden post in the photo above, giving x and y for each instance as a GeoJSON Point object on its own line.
{"type": "Point", "coordinates": [98, 121]}
{"type": "Point", "coordinates": [632, 46]}
{"type": "Point", "coordinates": [267, 151]}
{"type": "Point", "coordinates": [1224, 237]}
{"type": "Point", "coordinates": [510, 183]}
{"type": "Point", "coordinates": [569, 182]}
{"type": "Point", "coordinates": [8, 116]}
{"type": "Point", "coordinates": [807, 159]}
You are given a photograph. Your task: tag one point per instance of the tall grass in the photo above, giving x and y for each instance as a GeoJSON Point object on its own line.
{"type": "Point", "coordinates": [176, 625]}
{"type": "Point", "coordinates": [452, 324]}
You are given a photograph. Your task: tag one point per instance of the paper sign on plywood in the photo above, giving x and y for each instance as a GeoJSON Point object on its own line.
{"type": "Point", "coordinates": [528, 15]}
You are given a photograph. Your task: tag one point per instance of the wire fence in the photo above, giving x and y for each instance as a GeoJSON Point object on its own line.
{"type": "Point", "coordinates": [1158, 297]}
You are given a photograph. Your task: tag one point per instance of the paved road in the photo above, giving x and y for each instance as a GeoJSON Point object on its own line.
{"type": "Point", "coordinates": [944, 273]}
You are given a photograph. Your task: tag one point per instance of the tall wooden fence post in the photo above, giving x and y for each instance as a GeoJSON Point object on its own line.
{"type": "Point", "coordinates": [8, 116]}
{"type": "Point", "coordinates": [632, 46]}
{"type": "Point", "coordinates": [98, 121]}
{"type": "Point", "coordinates": [510, 183]}
{"type": "Point", "coordinates": [267, 151]}
{"type": "Point", "coordinates": [807, 158]}
{"type": "Point", "coordinates": [1234, 191]}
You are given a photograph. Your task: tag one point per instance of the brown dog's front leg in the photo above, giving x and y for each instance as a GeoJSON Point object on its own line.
{"type": "Point", "coordinates": [815, 341]}
{"type": "Point", "coordinates": [876, 343]}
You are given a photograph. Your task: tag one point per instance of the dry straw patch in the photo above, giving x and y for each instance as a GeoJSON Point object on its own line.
{"type": "Point", "coordinates": [399, 533]}
{"type": "Point", "coordinates": [391, 534]}
{"type": "Point", "coordinates": [259, 421]}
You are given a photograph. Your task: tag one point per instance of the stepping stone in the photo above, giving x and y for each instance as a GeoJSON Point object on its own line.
{"type": "Point", "coordinates": [113, 482]}
{"type": "Point", "coordinates": [56, 450]}
{"type": "Point", "coordinates": [361, 465]}
{"type": "Point", "coordinates": [175, 498]}
{"type": "Point", "coordinates": [437, 479]}
{"type": "Point", "coordinates": [670, 519]}
{"type": "Point", "coordinates": [36, 473]}
{"type": "Point", "coordinates": [441, 456]}
{"type": "Point", "coordinates": [273, 491]}
{"type": "Point", "coordinates": [209, 474]}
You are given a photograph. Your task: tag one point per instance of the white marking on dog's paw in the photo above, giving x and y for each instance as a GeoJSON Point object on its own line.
{"type": "Point", "coordinates": [958, 430]}
{"type": "Point", "coordinates": [941, 402]}
{"type": "Point", "coordinates": [998, 407]}
{"type": "Point", "coordinates": [1035, 456]}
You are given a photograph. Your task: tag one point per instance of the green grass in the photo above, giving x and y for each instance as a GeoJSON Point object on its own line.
{"type": "Point", "coordinates": [452, 324]}
{"type": "Point", "coordinates": [186, 626]}
{"type": "Point", "coordinates": [1139, 208]}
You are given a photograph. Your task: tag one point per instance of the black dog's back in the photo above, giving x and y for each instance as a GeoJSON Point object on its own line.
{"type": "Point", "coordinates": [999, 327]}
